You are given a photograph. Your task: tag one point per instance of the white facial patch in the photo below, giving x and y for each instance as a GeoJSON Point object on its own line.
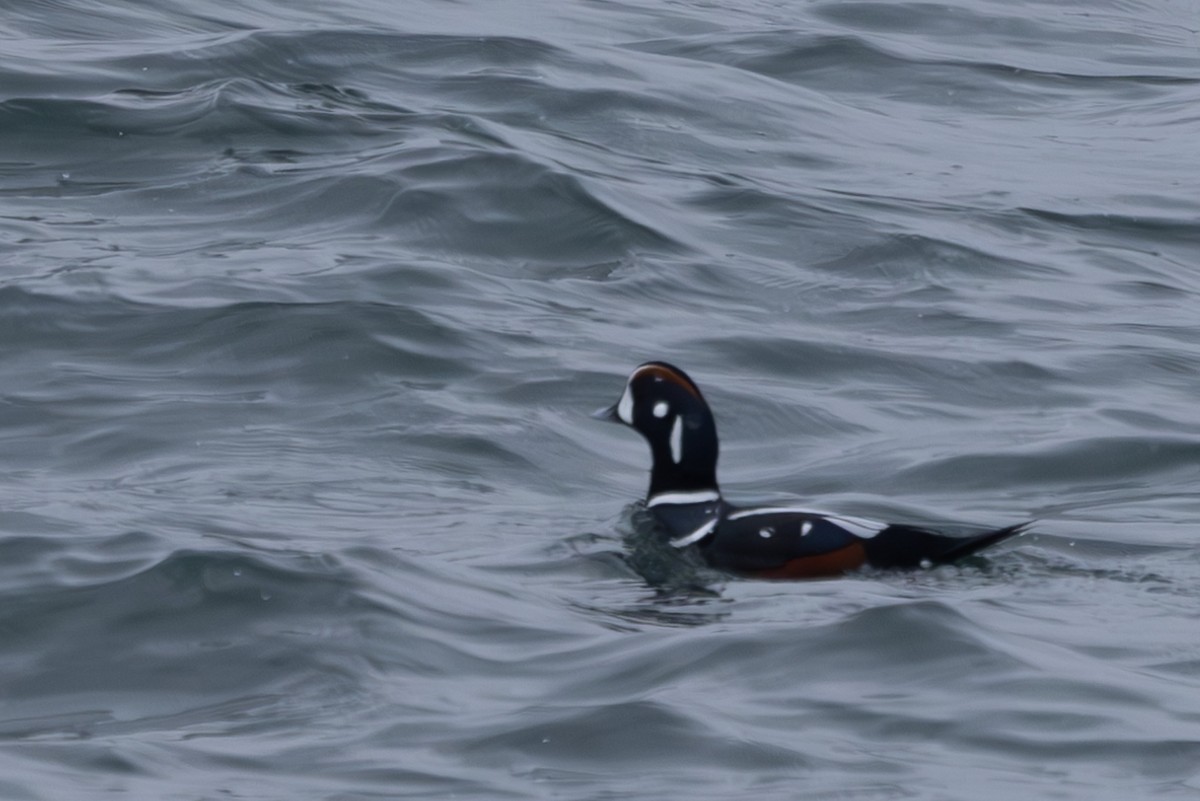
{"type": "Point", "coordinates": [677, 440]}
{"type": "Point", "coordinates": [625, 407]}
{"type": "Point", "coordinates": [858, 526]}
{"type": "Point", "coordinates": [661, 408]}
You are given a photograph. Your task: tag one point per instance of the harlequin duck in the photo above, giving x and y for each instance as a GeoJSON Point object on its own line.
{"type": "Point", "coordinates": [662, 404]}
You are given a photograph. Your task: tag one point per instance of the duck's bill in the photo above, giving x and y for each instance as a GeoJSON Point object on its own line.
{"type": "Point", "coordinates": [608, 413]}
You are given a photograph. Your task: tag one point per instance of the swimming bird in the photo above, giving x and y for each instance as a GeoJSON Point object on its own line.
{"type": "Point", "coordinates": [665, 406]}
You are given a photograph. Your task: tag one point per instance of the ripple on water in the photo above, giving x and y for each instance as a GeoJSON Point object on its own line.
{"type": "Point", "coordinates": [303, 309]}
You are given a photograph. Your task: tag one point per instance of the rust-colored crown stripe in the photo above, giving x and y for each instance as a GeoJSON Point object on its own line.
{"type": "Point", "coordinates": [670, 374]}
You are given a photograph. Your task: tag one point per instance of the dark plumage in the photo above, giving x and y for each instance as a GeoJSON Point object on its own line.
{"type": "Point", "coordinates": [665, 406]}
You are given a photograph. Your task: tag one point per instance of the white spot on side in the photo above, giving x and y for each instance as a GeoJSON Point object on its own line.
{"type": "Point", "coordinates": [926, 564]}
{"type": "Point", "coordinates": [699, 496]}
{"type": "Point", "coordinates": [805, 528]}
{"type": "Point", "coordinates": [766, 532]}
{"type": "Point", "coordinates": [625, 407]}
{"type": "Point", "coordinates": [677, 440]}
{"type": "Point", "coordinates": [695, 536]}
{"type": "Point", "coordinates": [661, 408]}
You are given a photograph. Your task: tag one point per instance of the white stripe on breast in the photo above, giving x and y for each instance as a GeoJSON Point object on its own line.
{"type": "Point", "coordinates": [697, 535]}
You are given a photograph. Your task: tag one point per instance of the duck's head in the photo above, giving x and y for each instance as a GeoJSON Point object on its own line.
{"type": "Point", "coordinates": [662, 404]}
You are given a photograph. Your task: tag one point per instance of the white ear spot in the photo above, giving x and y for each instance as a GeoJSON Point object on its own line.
{"type": "Point", "coordinates": [766, 533]}
{"type": "Point", "coordinates": [661, 408]}
{"type": "Point", "coordinates": [677, 440]}
{"type": "Point", "coordinates": [805, 527]}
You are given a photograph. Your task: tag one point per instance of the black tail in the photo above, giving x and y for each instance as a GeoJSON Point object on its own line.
{"type": "Point", "coordinates": [908, 547]}
{"type": "Point", "coordinates": [969, 545]}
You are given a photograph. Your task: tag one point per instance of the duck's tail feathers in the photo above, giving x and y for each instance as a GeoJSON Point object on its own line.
{"type": "Point", "coordinates": [966, 546]}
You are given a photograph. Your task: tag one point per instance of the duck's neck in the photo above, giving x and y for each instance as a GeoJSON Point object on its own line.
{"type": "Point", "coordinates": [685, 467]}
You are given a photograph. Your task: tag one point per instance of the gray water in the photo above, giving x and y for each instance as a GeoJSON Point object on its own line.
{"type": "Point", "coordinates": [303, 308]}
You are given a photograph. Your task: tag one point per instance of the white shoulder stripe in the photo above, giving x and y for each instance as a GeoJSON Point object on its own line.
{"type": "Point", "coordinates": [698, 496]}
{"type": "Point", "coordinates": [858, 526]}
{"type": "Point", "coordinates": [697, 535]}
{"type": "Point", "coordinates": [772, 510]}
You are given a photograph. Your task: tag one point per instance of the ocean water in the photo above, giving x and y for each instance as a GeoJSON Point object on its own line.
{"type": "Point", "coordinates": [303, 309]}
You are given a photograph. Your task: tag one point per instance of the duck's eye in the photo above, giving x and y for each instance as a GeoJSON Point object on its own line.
{"type": "Point", "coordinates": [661, 408]}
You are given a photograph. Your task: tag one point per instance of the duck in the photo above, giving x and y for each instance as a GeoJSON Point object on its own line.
{"type": "Point", "coordinates": [665, 406]}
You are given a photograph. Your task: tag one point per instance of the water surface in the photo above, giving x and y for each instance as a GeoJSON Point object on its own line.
{"type": "Point", "coordinates": [303, 310]}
